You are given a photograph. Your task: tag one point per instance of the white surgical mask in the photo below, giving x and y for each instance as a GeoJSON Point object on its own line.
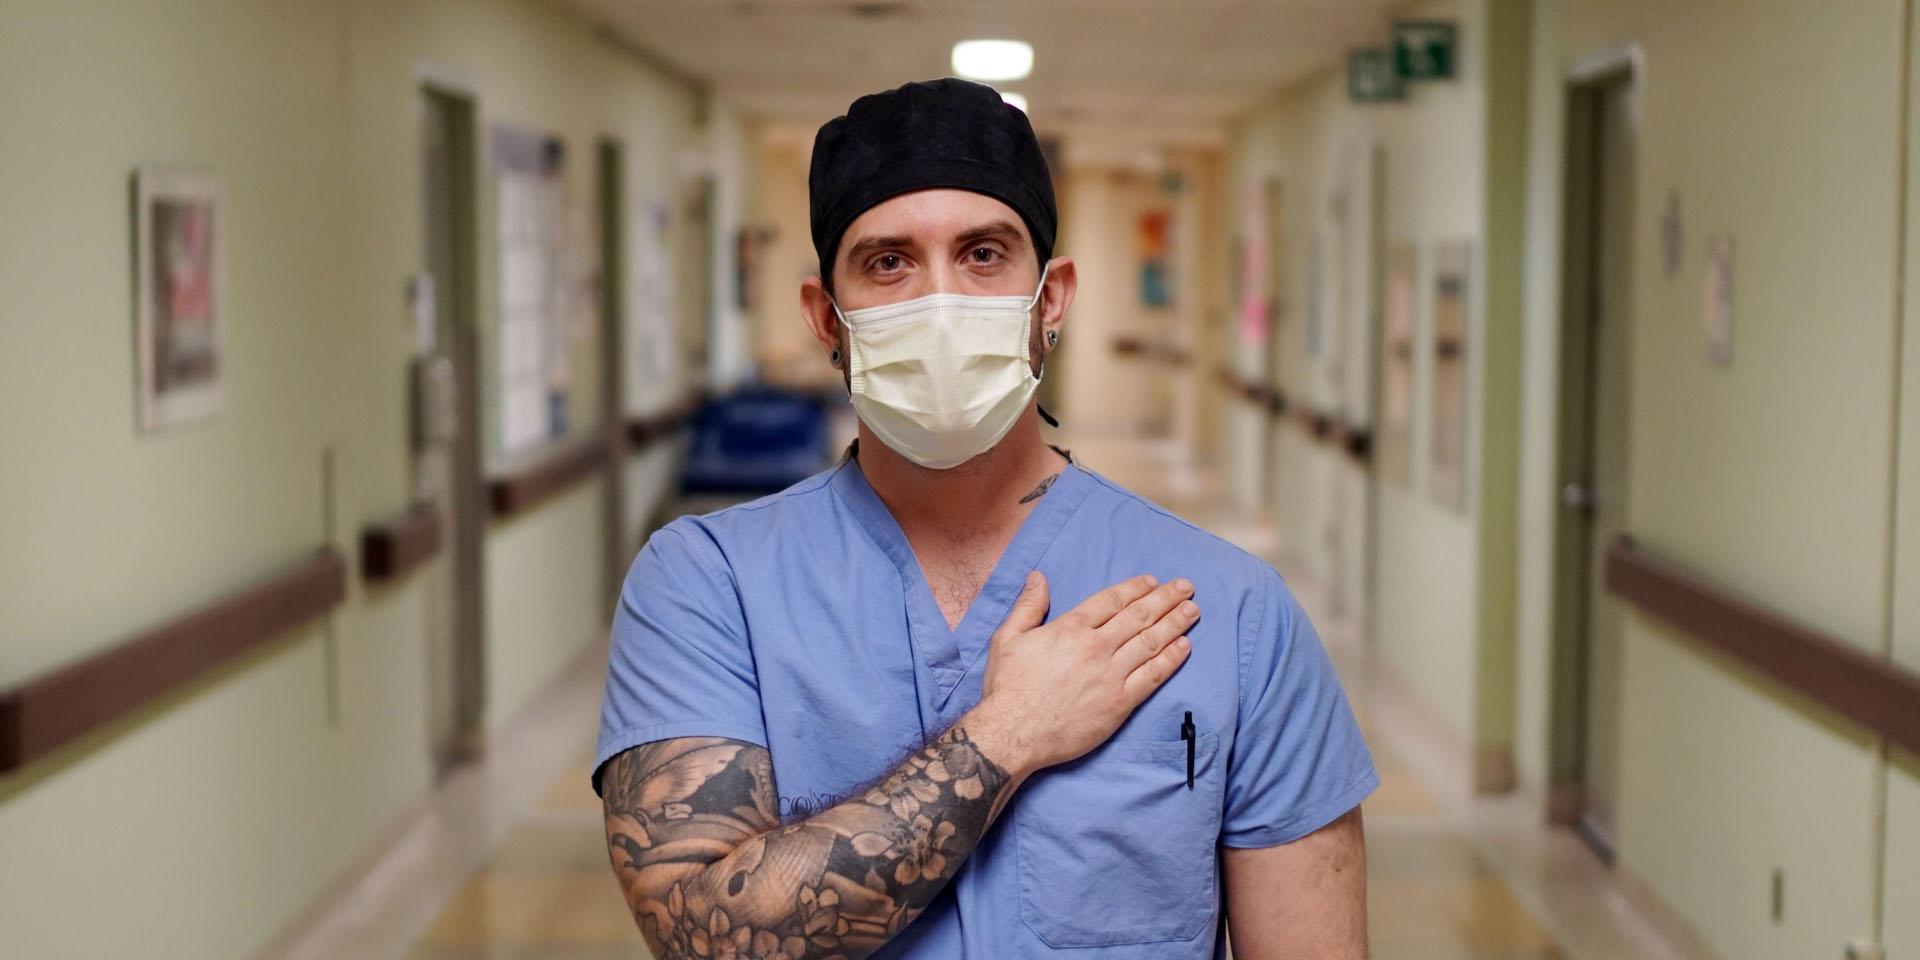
{"type": "Point", "coordinates": [941, 378]}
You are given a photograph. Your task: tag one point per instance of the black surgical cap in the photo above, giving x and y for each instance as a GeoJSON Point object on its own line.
{"type": "Point", "coordinates": [935, 133]}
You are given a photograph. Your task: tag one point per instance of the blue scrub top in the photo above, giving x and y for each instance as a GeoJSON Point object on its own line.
{"type": "Point", "coordinates": [801, 622]}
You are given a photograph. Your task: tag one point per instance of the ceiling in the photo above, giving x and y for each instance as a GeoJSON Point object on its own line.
{"type": "Point", "coordinates": [1186, 67]}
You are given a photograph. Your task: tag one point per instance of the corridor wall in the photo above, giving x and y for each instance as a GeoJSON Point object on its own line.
{"type": "Point", "coordinates": [201, 826]}
{"type": "Point", "coordinates": [1776, 124]}
{"type": "Point", "coordinates": [1316, 142]}
{"type": "Point", "coordinates": [1100, 391]}
{"type": "Point", "coordinates": [1900, 845]}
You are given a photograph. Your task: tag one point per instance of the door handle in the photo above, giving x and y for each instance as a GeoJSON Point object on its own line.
{"type": "Point", "coordinates": [1578, 496]}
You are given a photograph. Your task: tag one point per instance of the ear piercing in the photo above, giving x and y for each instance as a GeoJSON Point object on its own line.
{"type": "Point", "coordinates": [834, 357]}
{"type": "Point", "coordinates": [1053, 338]}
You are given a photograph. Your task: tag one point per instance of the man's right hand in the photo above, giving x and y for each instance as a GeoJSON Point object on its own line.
{"type": "Point", "coordinates": [1054, 691]}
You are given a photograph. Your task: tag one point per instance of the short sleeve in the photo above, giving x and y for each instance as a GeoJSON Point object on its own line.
{"type": "Point", "coordinates": [1298, 761]}
{"type": "Point", "coordinates": [679, 664]}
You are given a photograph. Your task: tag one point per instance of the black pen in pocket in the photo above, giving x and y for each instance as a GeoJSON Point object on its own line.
{"type": "Point", "coordinates": [1186, 733]}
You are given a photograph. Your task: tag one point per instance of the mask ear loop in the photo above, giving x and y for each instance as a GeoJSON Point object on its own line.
{"type": "Point", "coordinates": [1031, 303]}
{"type": "Point", "coordinates": [1040, 287]}
{"type": "Point", "coordinates": [835, 304]}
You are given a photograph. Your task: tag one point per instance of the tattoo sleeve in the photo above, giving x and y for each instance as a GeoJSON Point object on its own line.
{"type": "Point", "coordinates": [710, 872]}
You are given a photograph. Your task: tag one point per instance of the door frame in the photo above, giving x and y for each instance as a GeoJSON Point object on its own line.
{"type": "Point", "coordinates": [1587, 78]}
{"type": "Point", "coordinates": [1275, 492]}
{"type": "Point", "coordinates": [610, 154]}
{"type": "Point", "coordinates": [466, 516]}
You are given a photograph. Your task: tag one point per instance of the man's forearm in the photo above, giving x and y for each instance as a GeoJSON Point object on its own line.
{"type": "Point", "coordinates": [841, 882]}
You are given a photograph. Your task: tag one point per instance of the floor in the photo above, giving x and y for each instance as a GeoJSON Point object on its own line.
{"type": "Point", "coordinates": [506, 861]}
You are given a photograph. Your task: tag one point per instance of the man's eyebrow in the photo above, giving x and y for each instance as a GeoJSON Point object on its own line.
{"type": "Point", "coordinates": [866, 245]}
{"type": "Point", "coordinates": [993, 230]}
{"type": "Point", "coordinates": [998, 229]}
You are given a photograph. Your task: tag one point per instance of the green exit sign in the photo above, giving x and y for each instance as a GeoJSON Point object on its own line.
{"type": "Point", "coordinates": [1423, 49]}
{"type": "Point", "coordinates": [1371, 77]}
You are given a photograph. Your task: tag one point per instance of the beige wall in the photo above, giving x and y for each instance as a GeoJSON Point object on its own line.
{"type": "Point", "coordinates": [1101, 392]}
{"type": "Point", "coordinates": [235, 803]}
{"type": "Point", "coordinates": [786, 351]}
{"type": "Point", "coordinates": [1316, 141]}
{"type": "Point", "coordinates": [727, 156]}
{"type": "Point", "coordinates": [1902, 863]}
{"type": "Point", "coordinates": [1775, 123]}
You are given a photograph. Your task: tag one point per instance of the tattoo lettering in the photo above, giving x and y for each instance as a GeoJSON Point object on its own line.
{"type": "Point", "coordinates": [1041, 490]}
{"type": "Point", "coordinates": [710, 871]}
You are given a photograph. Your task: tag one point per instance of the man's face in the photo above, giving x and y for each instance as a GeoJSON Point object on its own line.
{"type": "Point", "coordinates": [936, 241]}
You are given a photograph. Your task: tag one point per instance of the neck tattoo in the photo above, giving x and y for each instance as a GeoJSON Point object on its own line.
{"type": "Point", "coordinates": [1041, 490]}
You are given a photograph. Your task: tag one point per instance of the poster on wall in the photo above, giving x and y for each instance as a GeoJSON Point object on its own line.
{"type": "Point", "coordinates": [1396, 376]}
{"type": "Point", "coordinates": [530, 342]}
{"type": "Point", "coordinates": [1718, 306]}
{"type": "Point", "coordinates": [652, 347]}
{"type": "Point", "coordinates": [1255, 305]}
{"type": "Point", "coordinates": [178, 245]}
{"type": "Point", "coordinates": [1452, 266]}
{"type": "Point", "coordinates": [1151, 241]}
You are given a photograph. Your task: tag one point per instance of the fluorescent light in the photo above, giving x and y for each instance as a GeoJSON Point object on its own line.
{"type": "Point", "coordinates": [992, 60]}
{"type": "Point", "coordinates": [1015, 99]}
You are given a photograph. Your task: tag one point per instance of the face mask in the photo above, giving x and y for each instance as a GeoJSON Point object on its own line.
{"type": "Point", "coordinates": [940, 379]}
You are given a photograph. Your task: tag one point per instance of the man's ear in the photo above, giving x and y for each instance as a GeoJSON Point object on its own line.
{"type": "Point", "coordinates": [1056, 295]}
{"type": "Point", "coordinates": [816, 307]}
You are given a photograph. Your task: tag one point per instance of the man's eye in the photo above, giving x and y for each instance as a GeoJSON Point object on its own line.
{"type": "Point", "coordinates": [984, 254]}
{"type": "Point", "coordinates": [887, 262]}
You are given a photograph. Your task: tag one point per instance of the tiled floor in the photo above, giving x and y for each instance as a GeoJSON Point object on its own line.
{"type": "Point", "coordinates": [1450, 876]}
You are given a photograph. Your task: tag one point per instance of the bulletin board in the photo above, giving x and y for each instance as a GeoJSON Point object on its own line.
{"type": "Point", "coordinates": [531, 363]}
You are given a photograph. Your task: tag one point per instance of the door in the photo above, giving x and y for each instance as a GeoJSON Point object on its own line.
{"type": "Point", "coordinates": [447, 443]}
{"type": "Point", "coordinates": [1602, 129]}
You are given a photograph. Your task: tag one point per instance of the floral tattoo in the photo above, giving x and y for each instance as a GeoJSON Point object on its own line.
{"type": "Point", "coordinates": [710, 871]}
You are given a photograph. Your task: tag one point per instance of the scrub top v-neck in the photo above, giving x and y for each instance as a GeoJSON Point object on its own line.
{"type": "Point", "coordinates": [947, 654]}
{"type": "Point", "coordinates": [802, 622]}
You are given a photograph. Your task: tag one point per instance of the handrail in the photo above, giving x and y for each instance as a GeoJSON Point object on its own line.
{"type": "Point", "coordinates": [529, 485]}
{"type": "Point", "coordinates": [1353, 440]}
{"type": "Point", "coordinates": [41, 715]}
{"type": "Point", "coordinates": [1871, 691]}
{"type": "Point", "coordinates": [514, 493]}
{"type": "Point", "coordinates": [647, 429]}
{"type": "Point", "coordinates": [1127, 345]}
{"type": "Point", "coordinates": [391, 548]}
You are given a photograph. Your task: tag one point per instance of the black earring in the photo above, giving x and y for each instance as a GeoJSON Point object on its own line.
{"type": "Point", "coordinates": [1053, 338]}
{"type": "Point", "coordinates": [834, 357]}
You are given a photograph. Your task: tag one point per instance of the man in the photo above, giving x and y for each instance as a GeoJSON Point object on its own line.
{"type": "Point", "coordinates": [1026, 634]}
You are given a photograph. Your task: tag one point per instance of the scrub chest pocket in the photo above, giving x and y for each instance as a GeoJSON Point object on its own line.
{"type": "Point", "coordinates": [1115, 849]}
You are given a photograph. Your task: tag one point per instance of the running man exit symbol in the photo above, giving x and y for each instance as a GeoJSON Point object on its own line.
{"type": "Point", "coordinates": [1423, 49]}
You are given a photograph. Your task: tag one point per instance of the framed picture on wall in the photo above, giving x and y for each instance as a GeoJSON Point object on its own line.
{"type": "Point", "coordinates": [1151, 241]}
{"type": "Point", "coordinates": [1396, 361]}
{"type": "Point", "coordinates": [178, 247]}
{"type": "Point", "coordinates": [1255, 312]}
{"type": "Point", "coordinates": [1452, 272]}
{"type": "Point", "coordinates": [534, 375]}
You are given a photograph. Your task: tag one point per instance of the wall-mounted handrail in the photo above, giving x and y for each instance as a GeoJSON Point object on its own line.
{"type": "Point", "coordinates": [1352, 440]}
{"type": "Point", "coordinates": [391, 548]}
{"type": "Point", "coordinates": [1869, 690]}
{"type": "Point", "coordinates": [41, 715]}
{"type": "Point", "coordinates": [531, 484]}
{"type": "Point", "coordinates": [1173, 355]}
{"type": "Point", "coordinates": [647, 429]}
{"type": "Point", "coordinates": [1355, 441]}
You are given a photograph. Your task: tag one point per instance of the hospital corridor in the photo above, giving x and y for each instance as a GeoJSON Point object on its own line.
{"type": "Point", "coordinates": [485, 479]}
